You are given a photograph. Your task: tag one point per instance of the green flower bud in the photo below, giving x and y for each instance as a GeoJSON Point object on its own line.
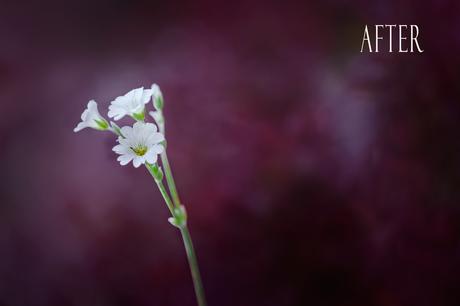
{"type": "Point", "coordinates": [157, 97]}
{"type": "Point", "coordinates": [180, 217]}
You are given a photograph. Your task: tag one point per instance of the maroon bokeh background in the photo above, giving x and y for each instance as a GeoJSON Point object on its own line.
{"type": "Point", "coordinates": [313, 174]}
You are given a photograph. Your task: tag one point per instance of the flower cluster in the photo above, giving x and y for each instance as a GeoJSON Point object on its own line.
{"type": "Point", "coordinates": [140, 143]}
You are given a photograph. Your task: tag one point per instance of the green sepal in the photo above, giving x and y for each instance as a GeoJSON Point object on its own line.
{"type": "Point", "coordinates": [158, 103]}
{"type": "Point", "coordinates": [155, 171]}
{"type": "Point", "coordinates": [179, 219]}
{"type": "Point", "coordinates": [140, 116]}
{"type": "Point", "coordinates": [102, 124]}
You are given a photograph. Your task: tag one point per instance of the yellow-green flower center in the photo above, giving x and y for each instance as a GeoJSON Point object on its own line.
{"type": "Point", "coordinates": [139, 150]}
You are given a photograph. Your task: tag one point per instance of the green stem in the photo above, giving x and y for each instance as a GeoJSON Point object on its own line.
{"type": "Point", "coordinates": [163, 191]}
{"type": "Point", "coordinates": [198, 285]}
{"type": "Point", "coordinates": [164, 160]}
{"type": "Point", "coordinates": [187, 239]}
{"type": "Point", "coordinates": [170, 179]}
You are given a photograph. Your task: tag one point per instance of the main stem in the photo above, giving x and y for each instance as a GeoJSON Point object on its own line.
{"type": "Point", "coordinates": [187, 239]}
{"type": "Point", "coordinates": [189, 249]}
{"type": "Point", "coordinates": [197, 284]}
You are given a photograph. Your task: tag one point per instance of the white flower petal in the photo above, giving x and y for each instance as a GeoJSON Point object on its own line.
{"type": "Point", "coordinates": [138, 126]}
{"type": "Point", "coordinates": [84, 114]}
{"type": "Point", "coordinates": [125, 142]}
{"type": "Point", "coordinates": [155, 138]}
{"type": "Point", "coordinates": [158, 149]}
{"type": "Point", "coordinates": [156, 116]}
{"type": "Point", "coordinates": [118, 148]}
{"type": "Point", "coordinates": [137, 94]}
{"type": "Point", "coordinates": [111, 113]}
{"type": "Point", "coordinates": [137, 161]}
{"type": "Point", "coordinates": [116, 112]}
{"type": "Point", "coordinates": [147, 94]}
{"type": "Point", "coordinates": [92, 105]}
{"type": "Point", "coordinates": [150, 127]}
{"type": "Point", "coordinates": [130, 94]}
{"type": "Point", "coordinates": [156, 92]}
{"type": "Point", "coordinates": [79, 127]}
{"type": "Point", "coordinates": [126, 131]}
{"type": "Point", "coordinates": [125, 159]}
{"type": "Point", "coordinates": [121, 149]}
{"type": "Point", "coordinates": [151, 156]}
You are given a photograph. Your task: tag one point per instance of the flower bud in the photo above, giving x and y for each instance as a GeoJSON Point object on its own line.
{"type": "Point", "coordinates": [157, 116]}
{"type": "Point", "coordinates": [159, 120]}
{"type": "Point", "coordinates": [157, 97]}
{"type": "Point", "coordinates": [180, 217]}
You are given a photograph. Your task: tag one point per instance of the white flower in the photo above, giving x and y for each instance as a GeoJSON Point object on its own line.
{"type": "Point", "coordinates": [91, 118]}
{"type": "Point", "coordinates": [140, 143]}
{"type": "Point", "coordinates": [157, 97]}
{"type": "Point", "coordinates": [131, 104]}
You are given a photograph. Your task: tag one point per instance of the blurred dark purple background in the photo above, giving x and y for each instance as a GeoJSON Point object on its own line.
{"type": "Point", "coordinates": [313, 174]}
